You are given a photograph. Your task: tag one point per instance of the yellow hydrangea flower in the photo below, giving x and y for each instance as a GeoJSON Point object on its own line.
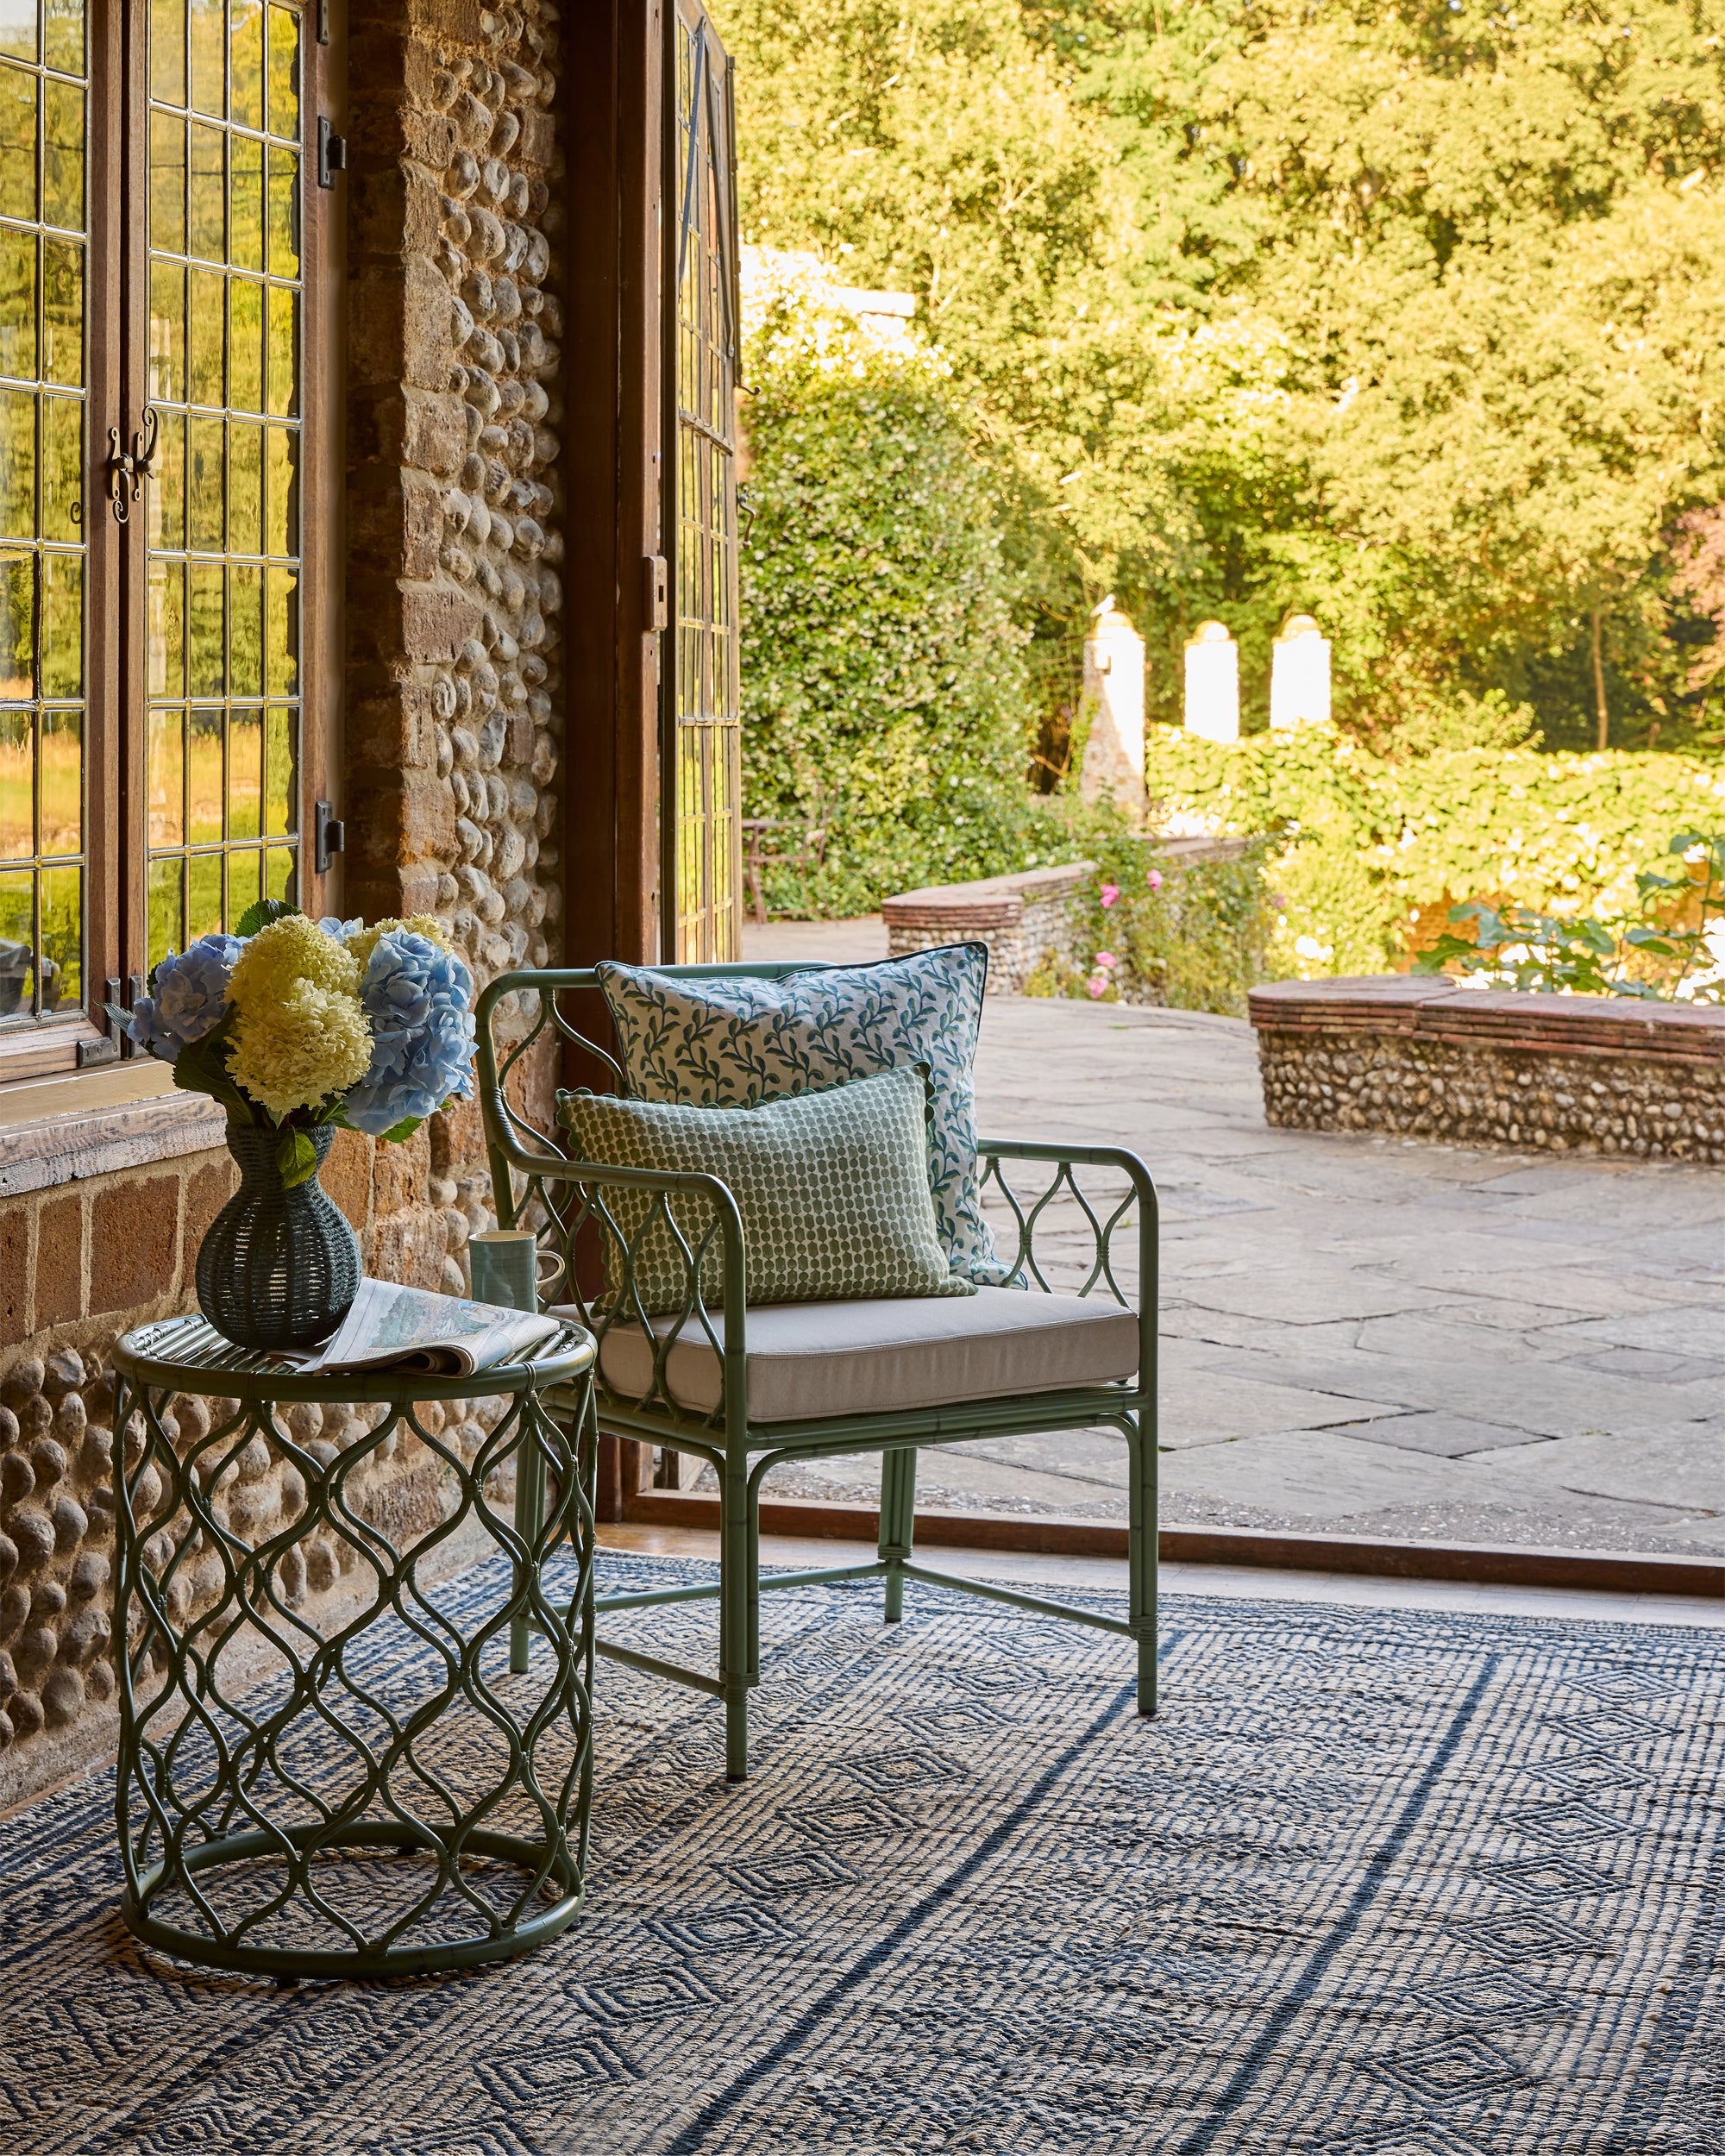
{"type": "Point", "coordinates": [425, 924]}
{"type": "Point", "coordinates": [292, 950]}
{"type": "Point", "coordinates": [294, 1048]}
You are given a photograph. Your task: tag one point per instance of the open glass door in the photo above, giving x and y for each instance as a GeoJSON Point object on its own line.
{"type": "Point", "coordinates": [699, 690]}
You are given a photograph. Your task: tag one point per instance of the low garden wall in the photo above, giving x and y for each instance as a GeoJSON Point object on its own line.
{"type": "Point", "coordinates": [1427, 1058]}
{"type": "Point", "coordinates": [1033, 922]}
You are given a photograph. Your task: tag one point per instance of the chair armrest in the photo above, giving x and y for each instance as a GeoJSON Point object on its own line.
{"type": "Point", "coordinates": [1105, 1216]}
{"type": "Point", "coordinates": [570, 1194]}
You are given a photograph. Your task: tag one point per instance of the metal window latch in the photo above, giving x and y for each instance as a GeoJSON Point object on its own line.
{"type": "Point", "coordinates": [656, 587]}
{"type": "Point", "coordinates": [328, 837]}
{"type": "Point", "coordinates": [322, 22]}
{"type": "Point", "coordinates": [136, 463]}
{"type": "Point", "coordinates": [332, 153]}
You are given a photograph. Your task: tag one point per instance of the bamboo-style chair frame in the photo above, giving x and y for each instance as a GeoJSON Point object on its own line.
{"type": "Point", "coordinates": [535, 1183]}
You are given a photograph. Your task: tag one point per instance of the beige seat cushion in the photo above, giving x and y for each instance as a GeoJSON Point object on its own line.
{"type": "Point", "coordinates": [813, 1359]}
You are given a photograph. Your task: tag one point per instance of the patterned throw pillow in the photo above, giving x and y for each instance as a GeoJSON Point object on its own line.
{"type": "Point", "coordinates": [832, 1187]}
{"type": "Point", "coordinates": [734, 1043]}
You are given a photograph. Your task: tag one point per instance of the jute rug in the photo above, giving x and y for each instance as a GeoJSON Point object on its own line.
{"type": "Point", "coordinates": [1373, 1884]}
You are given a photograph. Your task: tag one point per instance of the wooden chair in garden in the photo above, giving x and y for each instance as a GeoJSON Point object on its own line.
{"type": "Point", "coordinates": [747, 1389]}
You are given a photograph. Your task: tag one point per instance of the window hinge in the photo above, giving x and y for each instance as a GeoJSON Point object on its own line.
{"type": "Point", "coordinates": [332, 153]}
{"type": "Point", "coordinates": [329, 837]}
{"type": "Point", "coordinates": [656, 583]}
{"type": "Point", "coordinates": [322, 22]}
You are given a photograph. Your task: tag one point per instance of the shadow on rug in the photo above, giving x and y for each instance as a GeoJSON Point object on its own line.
{"type": "Point", "coordinates": [1375, 1883]}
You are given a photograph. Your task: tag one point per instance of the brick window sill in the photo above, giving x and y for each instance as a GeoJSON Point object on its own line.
{"type": "Point", "coordinates": [64, 1130]}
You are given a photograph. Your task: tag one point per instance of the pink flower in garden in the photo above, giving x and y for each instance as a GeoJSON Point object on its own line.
{"type": "Point", "coordinates": [1098, 984]}
{"type": "Point", "coordinates": [1154, 878]}
{"type": "Point", "coordinates": [1278, 901]}
{"type": "Point", "coordinates": [1106, 959]}
{"type": "Point", "coordinates": [1110, 892]}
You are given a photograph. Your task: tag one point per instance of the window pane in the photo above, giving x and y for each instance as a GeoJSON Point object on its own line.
{"type": "Point", "coordinates": [62, 311]}
{"type": "Point", "coordinates": [243, 879]}
{"type": "Point", "coordinates": [246, 632]}
{"type": "Point", "coordinates": [209, 58]}
{"type": "Point", "coordinates": [207, 439]}
{"type": "Point", "coordinates": [62, 468]}
{"type": "Point", "coordinates": [283, 526]}
{"type": "Point", "coordinates": [247, 49]}
{"type": "Point", "coordinates": [208, 337]}
{"type": "Point", "coordinates": [17, 143]}
{"type": "Point", "coordinates": [209, 219]}
{"type": "Point", "coordinates": [63, 155]}
{"type": "Point", "coordinates": [284, 376]}
{"type": "Point", "coordinates": [168, 497]}
{"type": "Point", "coordinates": [281, 643]}
{"type": "Point", "coordinates": [18, 303]}
{"type": "Point", "coordinates": [283, 213]}
{"type": "Point", "coordinates": [17, 628]}
{"type": "Point", "coordinates": [167, 51]}
{"type": "Point", "coordinates": [245, 774]}
{"type": "Point", "coordinates": [246, 356]}
{"type": "Point", "coordinates": [18, 29]}
{"type": "Point", "coordinates": [167, 184]}
{"type": "Point", "coordinates": [167, 333]}
{"type": "Point", "coordinates": [17, 787]}
{"type": "Point", "coordinates": [246, 221]}
{"type": "Point", "coordinates": [17, 464]}
{"type": "Point", "coordinates": [65, 35]}
{"type": "Point", "coordinates": [165, 631]}
{"type": "Point", "coordinates": [209, 665]}
{"type": "Point", "coordinates": [167, 778]}
{"type": "Point", "coordinates": [63, 624]}
{"type": "Point", "coordinates": [203, 895]}
{"type": "Point", "coordinates": [62, 782]}
{"type": "Point", "coordinates": [277, 873]}
{"type": "Point", "coordinates": [62, 968]}
{"type": "Point", "coordinates": [245, 488]}
{"type": "Point", "coordinates": [203, 780]}
{"type": "Point", "coordinates": [166, 930]}
{"type": "Point", "coordinates": [17, 941]}
{"type": "Point", "coordinates": [284, 74]}
{"type": "Point", "coordinates": [279, 773]}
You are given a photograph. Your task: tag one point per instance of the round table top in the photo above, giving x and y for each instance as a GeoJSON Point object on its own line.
{"type": "Point", "coordinates": [187, 1355]}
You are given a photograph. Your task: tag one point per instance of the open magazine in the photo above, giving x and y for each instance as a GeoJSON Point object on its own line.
{"type": "Point", "coordinates": [406, 1329]}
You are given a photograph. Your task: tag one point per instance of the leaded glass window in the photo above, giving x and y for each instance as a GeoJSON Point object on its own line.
{"type": "Point", "coordinates": [702, 688]}
{"type": "Point", "coordinates": [224, 223]}
{"type": "Point", "coordinates": [44, 232]}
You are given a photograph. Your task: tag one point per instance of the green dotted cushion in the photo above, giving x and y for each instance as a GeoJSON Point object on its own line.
{"type": "Point", "coordinates": [832, 1187]}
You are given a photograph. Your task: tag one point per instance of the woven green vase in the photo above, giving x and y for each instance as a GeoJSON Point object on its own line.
{"type": "Point", "coordinates": [277, 1268]}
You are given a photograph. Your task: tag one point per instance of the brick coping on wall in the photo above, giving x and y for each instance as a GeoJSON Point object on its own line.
{"type": "Point", "coordinates": [989, 902]}
{"type": "Point", "coordinates": [1426, 1057]}
{"type": "Point", "coordinates": [1430, 1007]}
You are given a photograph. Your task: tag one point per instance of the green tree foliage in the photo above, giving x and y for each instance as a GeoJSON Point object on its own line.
{"type": "Point", "coordinates": [884, 693]}
{"type": "Point", "coordinates": [1408, 316]}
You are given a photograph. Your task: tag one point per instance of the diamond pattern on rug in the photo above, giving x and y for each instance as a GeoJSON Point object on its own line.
{"type": "Point", "coordinates": [1332, 1900]}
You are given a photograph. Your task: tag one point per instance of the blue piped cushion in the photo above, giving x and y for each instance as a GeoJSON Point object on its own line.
{"type": "Point", "coordinates": [733, 1043]}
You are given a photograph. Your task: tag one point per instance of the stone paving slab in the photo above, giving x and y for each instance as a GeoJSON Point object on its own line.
{"type": "Point", "coordinates": [1362, 1334]}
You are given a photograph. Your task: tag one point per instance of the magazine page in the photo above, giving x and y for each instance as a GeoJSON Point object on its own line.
{"type": "Point", "coordinates": [408, 1329]}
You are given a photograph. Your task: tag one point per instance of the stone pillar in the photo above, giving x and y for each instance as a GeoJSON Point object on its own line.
{"type": "Point", "coordinates": [1113, 692]}
{"type": "Point", "coordinates": [1300, 675]}
{"type": "Point", "coordinates": [1213, 697]}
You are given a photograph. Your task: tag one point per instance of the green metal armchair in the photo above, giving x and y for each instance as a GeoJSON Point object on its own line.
{"type": "Point", "coordinates": [746, 1390]}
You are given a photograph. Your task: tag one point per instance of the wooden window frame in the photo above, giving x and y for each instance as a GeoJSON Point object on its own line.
{"type": "Point", "coordinates": [115, 792]}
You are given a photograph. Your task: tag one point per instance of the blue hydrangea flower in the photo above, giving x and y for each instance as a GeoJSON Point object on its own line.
{"type": "Point", "coordinates": [418, 999]}
{"type": "Point", "coordinates": [341, 929]}
{"type": "Point", "coordinates": [191, 996]}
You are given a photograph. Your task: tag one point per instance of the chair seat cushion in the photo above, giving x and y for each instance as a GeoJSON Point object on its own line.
{"type": "Point", "coordinates": [809, 1360]}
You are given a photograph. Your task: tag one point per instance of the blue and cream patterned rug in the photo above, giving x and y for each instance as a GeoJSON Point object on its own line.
{"type": "Point", "coordinates": [1375, 1883]}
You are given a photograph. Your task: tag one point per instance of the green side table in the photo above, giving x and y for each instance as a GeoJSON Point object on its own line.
{"type": "Point", "coordinates": [383, 1796]}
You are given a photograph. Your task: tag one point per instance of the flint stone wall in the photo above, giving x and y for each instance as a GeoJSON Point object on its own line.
{"type": "Point", "coordinates": [1426, 1058]}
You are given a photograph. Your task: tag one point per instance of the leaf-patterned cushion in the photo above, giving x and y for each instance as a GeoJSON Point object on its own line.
{"type": "Point", "coordinates": [832, 1189]}
{"type": "Point", "coordinates": [731, 1043]}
